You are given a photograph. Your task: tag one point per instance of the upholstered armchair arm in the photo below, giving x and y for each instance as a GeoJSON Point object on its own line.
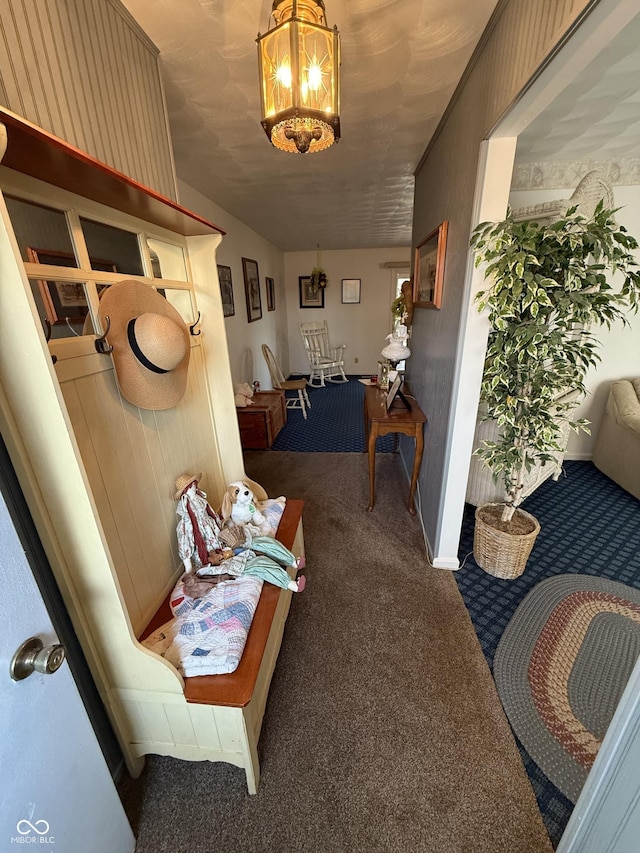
{"type": "Point", "coordinates": [623, 404]}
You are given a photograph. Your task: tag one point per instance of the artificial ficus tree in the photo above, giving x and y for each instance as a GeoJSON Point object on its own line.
{"type": "Point", "coordinates": [547, 288]}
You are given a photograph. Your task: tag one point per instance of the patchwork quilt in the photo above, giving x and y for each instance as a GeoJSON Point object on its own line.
{"type": "Point", "coordinates": [207, 635]}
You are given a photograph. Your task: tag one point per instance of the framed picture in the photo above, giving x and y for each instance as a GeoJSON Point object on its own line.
{"type": "Point", "coordinates": [428, 269]}
{"type": "Point", "coordinates": [395, 392]}
{"type": "Point", "coordinates": [252, 289]}
{"type": "Point", "coordinates": [271, 294]}
{"type": "Point", "coordinates": [65, 301]}
{"type": "Point", "coordinates": [350, 290]}
{"type": "Point", "coordinates": [310, 298]}
{"type": "Point", "coordinates": [226, 290]}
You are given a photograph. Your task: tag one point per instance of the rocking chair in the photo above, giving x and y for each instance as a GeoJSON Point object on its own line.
{"type": "Point", "coordinates": [325, 361]}
{"type": "Point", "coordinates": [279, 382]}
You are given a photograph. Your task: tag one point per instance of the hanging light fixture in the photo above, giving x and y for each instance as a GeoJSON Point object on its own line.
{"type": "Point", "coordinates": [299, 62]}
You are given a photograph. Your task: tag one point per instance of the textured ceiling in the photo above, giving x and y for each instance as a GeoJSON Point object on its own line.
{"type": "Point", "coordinates": [401, 61]}
{"type": "Point", "coordinates": [597, 117]}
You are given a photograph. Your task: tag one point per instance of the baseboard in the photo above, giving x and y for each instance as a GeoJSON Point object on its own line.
{"type": "Point", "coordinates": [450, 563]}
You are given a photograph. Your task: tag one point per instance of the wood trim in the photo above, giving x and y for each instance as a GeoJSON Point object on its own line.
{"type": "Point", "coordinates": [235, 689]}
{"type": "Point", "coordinates": [35, 152]}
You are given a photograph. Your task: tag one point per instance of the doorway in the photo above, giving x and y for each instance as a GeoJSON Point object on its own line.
{"type": "Point", "coordinates": [579, 114]}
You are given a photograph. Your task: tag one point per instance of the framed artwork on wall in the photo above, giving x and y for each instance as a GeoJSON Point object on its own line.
{"type": "Point", "coordinates": [226, 290]}
{"type": "Point", "coordinates": [350, 291]}
{"type": "Point", "coordinates": [310, 298]}
{"type": "Point", "coordinates": [428, 269]}
{"type": "Point", "coordinates": [252, 289]}
{"type": "Point", "coordinates": [271, 294]}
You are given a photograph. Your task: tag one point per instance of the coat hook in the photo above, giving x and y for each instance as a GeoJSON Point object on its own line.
{"type": "Point", "coordinates": [191, 328]}
{"type": "Point", "coordinates": [47, 336]}
{"type": "Point", "coordinates": [101, 343]}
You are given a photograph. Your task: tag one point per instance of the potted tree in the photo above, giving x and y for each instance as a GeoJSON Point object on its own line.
{"type": "Point", "coordinates": [547, 288]}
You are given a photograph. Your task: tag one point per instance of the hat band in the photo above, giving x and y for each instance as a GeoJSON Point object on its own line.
{"type": "Point", "coordinates": [133, 343]}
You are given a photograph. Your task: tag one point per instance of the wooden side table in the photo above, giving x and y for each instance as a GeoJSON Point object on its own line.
{"type": "Point", "coordinates": [261, 422]}
{"type": "Point", "coordinates": [378, 421]}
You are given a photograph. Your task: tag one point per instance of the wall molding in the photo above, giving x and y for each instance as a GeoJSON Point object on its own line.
{"type": "Point", "coordinates": [548, 176]}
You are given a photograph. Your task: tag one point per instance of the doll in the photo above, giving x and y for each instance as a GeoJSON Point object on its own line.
{"type": "Point", "coordinates": [202, 549]}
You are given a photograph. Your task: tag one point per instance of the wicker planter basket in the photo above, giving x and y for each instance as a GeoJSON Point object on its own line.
{"type": "Point", "coordinates": [502, 554]}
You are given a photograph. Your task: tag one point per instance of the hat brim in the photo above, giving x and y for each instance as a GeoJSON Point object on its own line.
{"type": "Point", "coordinates": [126, 301]}
{"type": "Point", "coordinates": [187, 482]}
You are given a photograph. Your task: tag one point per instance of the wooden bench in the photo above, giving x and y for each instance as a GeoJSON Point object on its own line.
{"type": "Point", "coordinates": [239, 698]}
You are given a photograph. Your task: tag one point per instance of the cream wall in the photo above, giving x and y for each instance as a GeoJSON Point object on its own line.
{"type": "Point", "coordinates": [364, 326]}
{"type": "Point", "coordinates": [620, 345]}
{"type": "Point", "coordinates": [245, 339]}
{"type": "Point", "coordinates": [444, 369]}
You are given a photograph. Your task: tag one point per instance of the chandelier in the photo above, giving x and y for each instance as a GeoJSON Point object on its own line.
{"type": "Point", "coordinates": [299, 62]}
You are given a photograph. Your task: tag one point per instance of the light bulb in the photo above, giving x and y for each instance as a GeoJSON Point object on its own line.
{"type": "Point", "coordinates": [283, 76]}
{"type": "Point", "coordinates": [315, 77]}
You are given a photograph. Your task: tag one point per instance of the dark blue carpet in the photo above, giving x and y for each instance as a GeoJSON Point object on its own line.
{"type": "Point", "coordinates": [589, 526]}
{"type": "Point", "coordinates": [334, 424]}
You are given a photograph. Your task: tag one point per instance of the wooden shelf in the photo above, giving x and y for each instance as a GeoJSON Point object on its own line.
{"type": "Point", "coordinates": [33, 151]}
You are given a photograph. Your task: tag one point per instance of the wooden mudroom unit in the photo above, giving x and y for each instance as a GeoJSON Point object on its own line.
{"type": "Point", "coordinates": [98, 472]}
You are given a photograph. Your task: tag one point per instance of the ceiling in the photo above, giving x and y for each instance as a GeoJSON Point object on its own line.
{"type": "Point", "coordinates": [597, 116]}
{"type": "Point", "coordinates": [401, 61]}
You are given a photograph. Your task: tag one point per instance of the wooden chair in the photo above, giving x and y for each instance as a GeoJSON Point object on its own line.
{"type": "Point", "coordinates": [278, 381]}
{"type": "Point", "coordinates": [325, 361]}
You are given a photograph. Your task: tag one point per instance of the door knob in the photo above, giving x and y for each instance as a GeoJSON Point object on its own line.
{"type": "Point", "coordinates": [34, 656]}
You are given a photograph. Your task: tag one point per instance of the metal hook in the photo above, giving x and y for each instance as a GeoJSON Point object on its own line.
{"type": "Point", "coordinates": [101, 343]}
{"type": "Point", "coordinates": [191, 328]}
{"type": "Point", "coordinates": [47, 335]}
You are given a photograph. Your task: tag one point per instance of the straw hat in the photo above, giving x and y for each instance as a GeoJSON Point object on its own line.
{"type": "Point", "coordinates": [183, 481]}
{"type": "Point", "coordinates": [151, 344]}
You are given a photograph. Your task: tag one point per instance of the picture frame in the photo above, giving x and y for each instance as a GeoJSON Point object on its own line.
{"type": "Point", "coordinates": [65, 302]}
{"type": "Point", "coordinates": [395, 391]}
{"type": "Point", "coordinates": [252, 289]}
{"type": "Point", "coordinates": [271, 294]}
{"type": "Point", "coordinates": [310, 298]}
{"type": "Point", "coordinates": [226, 290]}
{"type": "Point", "coordinates": [428, 269]}
{"type": "Point", "coordinates": [350, 291]}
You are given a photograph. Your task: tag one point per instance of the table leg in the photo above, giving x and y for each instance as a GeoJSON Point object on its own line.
{"type": "Point", "coordinates": [417, 459]}
{"type": "Point", "coordinates": [366, 426]}
{"type": "Point", "coordinates": [373, 434]}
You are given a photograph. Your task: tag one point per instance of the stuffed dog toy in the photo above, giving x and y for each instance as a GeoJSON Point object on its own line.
{"type": "Point", "coordinates": [239, 507]}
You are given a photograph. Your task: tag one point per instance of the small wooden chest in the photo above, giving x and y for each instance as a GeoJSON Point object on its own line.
{"type": "Point", "coordinates": [261, 422]}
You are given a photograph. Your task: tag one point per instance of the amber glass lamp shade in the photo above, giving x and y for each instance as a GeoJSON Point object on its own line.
{"type": "Point", "coordinates": [299, 62]}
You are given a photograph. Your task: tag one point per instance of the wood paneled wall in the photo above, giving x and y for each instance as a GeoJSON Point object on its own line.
{"type": "Point", "coordinates": [132, 458]}
{"type": "Point", "coordinates": [84, 71]}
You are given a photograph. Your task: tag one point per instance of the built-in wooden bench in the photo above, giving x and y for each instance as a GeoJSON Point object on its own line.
{"type": "Point", "coordinates": [244, 692]}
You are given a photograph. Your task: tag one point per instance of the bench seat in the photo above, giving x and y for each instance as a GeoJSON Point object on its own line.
{"type": "Point", "coordinates": [246, 689]}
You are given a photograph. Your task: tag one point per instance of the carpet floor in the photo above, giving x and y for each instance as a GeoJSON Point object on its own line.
{"type": "Point", "coordinates": [383, 729]}
{"type": "Point", "coordinates": [589, 526]}
{"type": "Point", "coordinates": [334, 424]}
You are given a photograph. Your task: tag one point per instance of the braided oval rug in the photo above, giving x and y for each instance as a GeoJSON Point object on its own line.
{"type": "Point", "coordinates": [561, 666]}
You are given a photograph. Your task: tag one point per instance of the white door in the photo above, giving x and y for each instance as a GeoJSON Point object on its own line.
{"type": "Point", "coordinates": [56, 791]}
